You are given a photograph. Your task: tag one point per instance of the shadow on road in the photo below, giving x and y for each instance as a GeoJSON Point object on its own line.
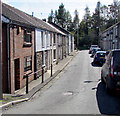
{"type": "Point", "coordinates": [107, 104]}
{"type": "Point", "coordinates": [96, 65]}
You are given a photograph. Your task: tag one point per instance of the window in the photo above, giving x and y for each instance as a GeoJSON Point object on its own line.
{"type": "Point", "coordinates": [42, 39]}
{"type": "Point", "coordinates": [50, 39]}
{"type": "Point", "coordinates": [27, 63]}
{"type": "Point", "coordinates": [54, 40]}
{"type": "Point", "coordinates": [27, 38]}
{"type": "Point", "coordinates": [54, 54]}
{"type": "Point", "coordinates": [47, 39]}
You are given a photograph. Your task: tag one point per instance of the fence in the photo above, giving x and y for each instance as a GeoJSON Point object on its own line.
{"type": "Point", "coordinates": [41, 70]}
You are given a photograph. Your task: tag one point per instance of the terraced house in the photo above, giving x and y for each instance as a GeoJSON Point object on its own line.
{"type": "Point", "coordinates": [46, 46]}
{"type": "Point", "coordinates": [110, 38]}
{"type": "Point", "coordinates": [28, 44]}
{"type": "Point", "coordinates": [65, 44]}
{"type": "Point", "coordinates": [18, 49]}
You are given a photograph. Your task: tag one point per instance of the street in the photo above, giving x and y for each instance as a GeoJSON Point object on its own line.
{"type": "Point", "coordinates": [76, 90]}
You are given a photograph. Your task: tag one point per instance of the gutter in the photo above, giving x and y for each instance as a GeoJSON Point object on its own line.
{"type": "Point", "coordinates": [8, 49]}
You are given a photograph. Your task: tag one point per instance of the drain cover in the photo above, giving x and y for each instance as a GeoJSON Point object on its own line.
{"type": "Point", "coordinates": [68, 93]}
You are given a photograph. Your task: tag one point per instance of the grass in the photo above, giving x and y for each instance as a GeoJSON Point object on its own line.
{"type": "Point", "coordinates": [8, 98]}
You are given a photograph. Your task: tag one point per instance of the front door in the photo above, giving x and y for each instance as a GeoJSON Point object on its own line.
{"type": "Point", "coordinates": [17, 74]}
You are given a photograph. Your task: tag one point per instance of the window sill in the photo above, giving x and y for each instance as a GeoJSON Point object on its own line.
{"type": "Point", "coordinates": [27, 44]}
{"type": "Point", "coordinates": [27, 73]}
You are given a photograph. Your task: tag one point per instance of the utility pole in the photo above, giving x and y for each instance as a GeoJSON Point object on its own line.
{"type": "Point", "coordinates": [98, 25]}
{"type": "Point", "coordinates": [77, 38]}
{"type": "Point", "coordinates": [1, 96]}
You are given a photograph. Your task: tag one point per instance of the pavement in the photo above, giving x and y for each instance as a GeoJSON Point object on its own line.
{"type": "Point", "coordinates": [35, 85]}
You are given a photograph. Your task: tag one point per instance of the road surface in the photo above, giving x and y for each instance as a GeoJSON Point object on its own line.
{"type": "Point", "coordinates": [76, 90]}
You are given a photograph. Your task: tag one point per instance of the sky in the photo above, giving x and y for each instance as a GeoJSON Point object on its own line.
{"type": "Point", "coordinates": [42, 8]}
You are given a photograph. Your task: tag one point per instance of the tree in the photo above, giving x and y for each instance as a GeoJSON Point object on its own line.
{"type": "Point", "coordinates": [51, 17]}
{"type": "Point", "coordinates": [104, 15]}
{"type": "Point", "coordinates": [96, 22]}
{"type": "Point", "coordinates": [76, 19]}
{"type": "Point", "coordinates": [87, 19]}
{"type": "Point", "coordinates": [114, 11]}
{"type": "Point", "coordinates": [76, 28]}
{"type": "Point", "coordinates": [68, 21]}
{"type": "Point", "coordinates": [84, 35]}
{"type": "Point", "coordinates": [60, 16]}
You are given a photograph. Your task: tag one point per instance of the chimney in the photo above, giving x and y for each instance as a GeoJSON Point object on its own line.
{"type": "Point", "coordinates": [44, 20]}
{"type": "Point", "coordinates": [32, 14]}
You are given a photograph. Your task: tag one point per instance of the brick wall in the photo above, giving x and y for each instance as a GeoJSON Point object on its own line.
{"type": "Point", "coordinates": [18, 51]}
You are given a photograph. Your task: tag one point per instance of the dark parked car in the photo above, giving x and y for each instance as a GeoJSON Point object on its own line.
{"type": "Point", "coordinates": [99, 57]}
{"type": "Point", "coordinates": [110, 73]}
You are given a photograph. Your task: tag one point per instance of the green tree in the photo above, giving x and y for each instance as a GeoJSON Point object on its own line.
{"type": "Point", "coordinates": [76, 28]}
{"type": "Point", "coordinates": [60, 16]}
{"type": "Point", "coordinates": [85, 32]}
{"type": "Point", "coordinates": [76, 19]}
{"type": "Point", "coordinates": [114, 11]}
{"type": "Point", "coordinates": [96, 22]}
{"type": "Point", "coordinates": [51, 16]}
{"type": "Point", "coordinates": [110, 14]}
{"type": "Point", "coordinates": [104, 16]}
{"type": "Point", "coordinates": [87, 19]}
{"type": "Point", "coordinates": [68, 21]}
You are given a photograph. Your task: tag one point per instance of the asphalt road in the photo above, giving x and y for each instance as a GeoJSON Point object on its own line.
{"type": "Point", "coordinates": [76, 90]}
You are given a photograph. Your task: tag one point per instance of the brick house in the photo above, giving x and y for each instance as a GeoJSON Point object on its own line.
{"type": "Point", "coordinates": [28, 44]}
{"type": "Point", "coordinates": [18, 49]}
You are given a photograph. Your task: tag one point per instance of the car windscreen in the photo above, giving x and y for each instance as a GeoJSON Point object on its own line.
{"type": "Point", "coordinates": [101, 54]}
{"type": "Point", "coordinates": [116, 60]}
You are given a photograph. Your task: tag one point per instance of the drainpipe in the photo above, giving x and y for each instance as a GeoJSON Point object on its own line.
{"type": "Point", "coordinates": [35, 58]}
{"type": "Point", "coordinates": [8, 43]}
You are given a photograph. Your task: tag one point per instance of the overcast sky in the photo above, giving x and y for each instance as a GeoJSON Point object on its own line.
{"type": "Point", "coordinates": [42, 8]}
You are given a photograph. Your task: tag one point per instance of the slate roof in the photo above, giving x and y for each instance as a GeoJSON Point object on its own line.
{"type": "Point", "coordinates": [56, 29]}
{"type": "Point", "coordinates": [18, 16]}
{"type": "Point", "coordinates": [60, 28]}
{"type": "Point", "coordinates": [9, 13]}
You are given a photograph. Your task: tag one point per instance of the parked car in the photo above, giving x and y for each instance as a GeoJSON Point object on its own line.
{"type": "Point", "coordinates": [110, 73]}
{"type": "Point", "coordinates": [94, 51]}
{"type": "Point", "coordinates": [99, 57]}
{"type": "Point", "coordinates": [91, 48]}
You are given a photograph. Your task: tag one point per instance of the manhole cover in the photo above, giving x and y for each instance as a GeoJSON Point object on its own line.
{"type": "Point", "coordinates": [68, 93]}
